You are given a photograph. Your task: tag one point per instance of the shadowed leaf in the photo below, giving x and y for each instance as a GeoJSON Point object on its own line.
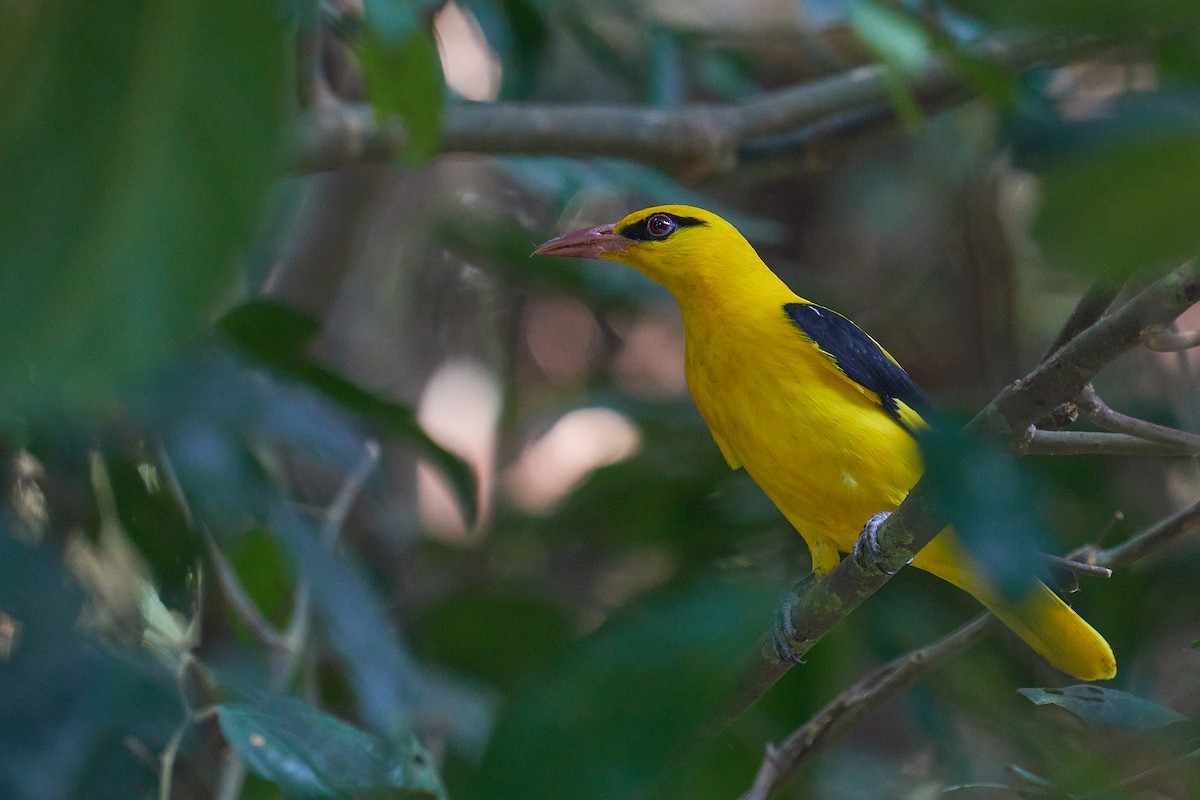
{"type": "Point", "coordinates": [1107, 708]}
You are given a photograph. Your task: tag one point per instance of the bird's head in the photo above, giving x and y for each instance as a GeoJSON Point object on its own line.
{"type": "Point", "coordinates": [678, 246]}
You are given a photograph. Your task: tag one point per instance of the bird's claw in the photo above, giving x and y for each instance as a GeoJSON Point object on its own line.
{"type": "Point", "coordinates": [866, 547]}
{"type": "Point", "coordinates": [784, 636]}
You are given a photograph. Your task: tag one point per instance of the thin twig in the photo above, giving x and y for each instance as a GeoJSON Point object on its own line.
{"type": "Point", "coordinates": [1077, 567]}
{"type": "Point", "coordinates": [1157, 535]}
{"type": "Point", "coordinates": [845, 711]}
{"type": "Point", "coordinates": [239, 600]}
{"type": "Point", "coordinates": [1106, 417]}
{"type": "Point", "coordinates": [1164, 340]}
{"type": "Point", "coordinates": [1094, 443]}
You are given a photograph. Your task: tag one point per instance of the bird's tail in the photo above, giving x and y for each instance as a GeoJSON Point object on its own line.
{"type": "Point", "coordinates": [1041, 618]}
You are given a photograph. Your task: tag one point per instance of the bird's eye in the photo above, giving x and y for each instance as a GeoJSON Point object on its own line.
{"type": "Point", "coordinates": [660, 226]}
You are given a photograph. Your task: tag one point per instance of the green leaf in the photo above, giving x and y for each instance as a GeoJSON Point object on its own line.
{"type": "Point", "coordinates": [138, 139]}
{"type": "Point", "coordinates": [1124, 207]}
{"type": "Point", "coordinates": [1107, 708]}
{"type": "Point", "coordinates": [275, 335]}
{"type": "Point", "coordinates": [404, 77]}
{"type": "Point", "coordinates": [626, 702]}
{"type": "Point", "coordinates": [904, 48]}
{"type": "Point", "coordinates": [312, 755]}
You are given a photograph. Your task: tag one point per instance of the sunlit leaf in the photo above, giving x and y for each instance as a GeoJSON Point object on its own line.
{"type": "Point", "coordinates": [313, 755]}
{"type": "Point", "coordinates": [1107, 708]}
{"type": "Point", "coordinates": [138, 139]}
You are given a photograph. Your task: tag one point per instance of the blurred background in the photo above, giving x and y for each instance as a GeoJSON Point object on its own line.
{"type": "Point", "coordinates": [318, 486]}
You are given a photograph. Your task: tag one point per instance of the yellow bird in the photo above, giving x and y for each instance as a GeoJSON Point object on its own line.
{"type": "Point", "coordinates": [812, 407]}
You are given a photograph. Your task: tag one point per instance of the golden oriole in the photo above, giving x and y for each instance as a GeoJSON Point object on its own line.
{"type": "Point", "coordinates": [812, 407]}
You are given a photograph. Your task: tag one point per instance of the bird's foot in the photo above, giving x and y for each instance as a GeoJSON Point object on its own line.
{"type": "Point", "coordinates": [866, 547]}
{"type": "Point", "coordinates": [784, 637]}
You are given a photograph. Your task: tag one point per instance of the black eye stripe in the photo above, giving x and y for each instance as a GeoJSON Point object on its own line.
{"type": "Point", "coordinates": [640, 230]}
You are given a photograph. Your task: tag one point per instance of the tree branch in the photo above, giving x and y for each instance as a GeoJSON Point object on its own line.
{"type": "Point", "coordinates": [1104, 416]}
{"type": "Point", "coordinates": [1095, 443]}
{"type": "Point", "coordinates": [693, 137]}
{"type": "Point", "coordinates": [841, 714]}
{"type": "Point", "coordinates": [1165, 340]}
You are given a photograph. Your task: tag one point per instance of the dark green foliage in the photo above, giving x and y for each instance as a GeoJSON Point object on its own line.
{"type": "Point", "coordinates": [137, 143]}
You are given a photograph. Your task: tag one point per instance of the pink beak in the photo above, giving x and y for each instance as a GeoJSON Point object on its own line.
{"type": "Point", "coordinates": [585, 243]}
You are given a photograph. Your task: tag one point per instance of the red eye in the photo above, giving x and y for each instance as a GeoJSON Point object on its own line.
{"type": "Point", "coordinates": [660, 226]}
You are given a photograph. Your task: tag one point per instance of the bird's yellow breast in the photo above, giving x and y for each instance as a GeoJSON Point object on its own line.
{"type": "Point", "coordinates": [821, 446]}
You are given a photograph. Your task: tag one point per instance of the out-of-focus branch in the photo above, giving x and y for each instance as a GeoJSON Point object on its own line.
{"type": "Point", "coordinates": [695, 137]}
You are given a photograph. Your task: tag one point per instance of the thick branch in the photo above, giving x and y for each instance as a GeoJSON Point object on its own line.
{"type": "Point", "coordinates": [693, 136]}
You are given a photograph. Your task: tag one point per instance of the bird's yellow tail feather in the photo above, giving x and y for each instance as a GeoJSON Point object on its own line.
{"type": "Point", "coordinates": [1040, 618]}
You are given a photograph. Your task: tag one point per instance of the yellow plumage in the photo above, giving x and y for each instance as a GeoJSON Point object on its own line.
{"type": "Point", "coordinates": [829, 451]}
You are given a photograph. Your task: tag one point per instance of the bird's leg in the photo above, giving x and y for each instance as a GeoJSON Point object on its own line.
{"type": "Point", "coordinates": [866, 546]}
{"type": "Point", "coordinates": [783, 634]}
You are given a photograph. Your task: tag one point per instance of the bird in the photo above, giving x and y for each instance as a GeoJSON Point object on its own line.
{"type": "Point", "coordinates": [814, 409]}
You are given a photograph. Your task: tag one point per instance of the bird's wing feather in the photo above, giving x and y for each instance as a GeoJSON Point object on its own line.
{"type": "Point", "coordinates": [862, 360]}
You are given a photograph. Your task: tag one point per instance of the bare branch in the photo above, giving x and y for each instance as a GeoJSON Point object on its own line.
{"type": "Point", "coordinates": [1077, 567]}
{"type": "Point", "coordinates": [239, 600]}
{"type": "Point", "coordinates": [701, 137]}
{"type": "Point", "coordinates": [1094, 443]}
{"type": "Point", "coordinates": [1104, 416]}
{"type": "Point", "coordinates": [1160, 534]}
{"type": "Point", "coordinates": [1165, 340]}
{"type": "Point", "coordinates": [845, 711]}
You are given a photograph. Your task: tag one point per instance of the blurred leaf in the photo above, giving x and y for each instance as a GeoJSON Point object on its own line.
{"type": "Point", "coordinates": [627, 700]}
{"type": "Point", "coordinates": [403, 72]}
{"type": "Point", "coordinates": [892, 35]}
{"type": "Point", "coordinates": [1121, 19]}
{"type": "Point", "coordinates": [259, 560]}
{"type": "Point", "coordinates": [992, 503]}
{"type": "Point", "coordinates": [1128, 207]}
{"type": "Point", "coordinates": [1107, 708]}
{"type": "Point", "coordinates": [211, 412]}
{"type": "Point", "coordinates": [665, 82]}
{"type": "Point", "coordinates": [68, 703]}
{"type": "Point", "coordinates": [157, 526]}
{"type": "Point", "coordinates": [516, 30]}
{"type": "Point", "coordinates": [138, 140]}
{"type": "Point", "coordinates": [493, 635]}
{"type": "Point", "coordinates": [904, 48]}
{"type": "Point", "coordinates": [385, 680]}
{"type": "Point", "coordinates": [276, 335]}
{"type": "Point", "coordinates": [315, 756]}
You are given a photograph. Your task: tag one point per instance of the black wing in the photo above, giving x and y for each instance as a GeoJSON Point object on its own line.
{"type": "Point", "coordinates": [857, 355]}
